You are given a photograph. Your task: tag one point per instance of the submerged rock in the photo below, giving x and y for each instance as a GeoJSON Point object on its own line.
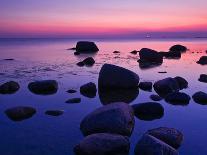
{"type": "Point", "coordinates": [80, 64]}
{"type": "Point", "coordinates": [171, 136]}
{"type": "Point", "coordinates": [45, 87]}
{"type": "Point", "coordinates": [20, 113]}
{"type": "Point", "coordinates": [103, 144]}
{"type": "Point", "coordinates": [178, 48]}
{"type": "Point", "coordinates": [116, 118]}
{"type": "Point", "coordinates": [200, 98]}
{"type": "Point", "coordinates": [155, 97]}
{"type": "Point", "coordinates": [74, 100]}
{"type": "Point", "coordinates": [134, 52]}
{"type": "Point", "coordinates": [71, 91]}
{"type": "Point", "coordinates": [9, 59]}
{"type": "Point", "coordinates": [54, 112]}
{"type": "Point", "coordinates": [116, 52]}
{"type": "Point", "coordinates": [203, 60]}
{"type": "Point", "coordinates": [177, 98]}
{"type": "Point", "coordinates": [86, 47]}
{"type": "Point", "coordinates": [146, 86]}
{"type": "Point", "coordinates": [203, 78]}
{"type": "Point", "coordinates": [148, 111]}
{"type": "Point", "coordinates": [89, 61]}
{"type": "Point", "coordinates": [10, 87]}
{"type": "Point", "coordinates": [88, 90]}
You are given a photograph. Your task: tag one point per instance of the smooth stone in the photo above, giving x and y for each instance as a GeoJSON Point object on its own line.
{"type": "Point", "coordinates": [76, 53]}
{"type": "Point", "coordinates": [86, 47]}
{"type": "Point", "coordinates": [155, 97]}
{"type": "Point", "coordinates": [203, 78]}
{"type": "Point", "coordinates": [134, 52]}
{"type": "Point", "coordinates": [71, 91]}
{"type": "Point", "coordinates": [74, 100]}
{"type": "Point", "coordinates": [103, 144]}
{"type": "Point", "coordinates": [10, 87]}
{"type": "Point", "coordinates": [116, 52]}
{"type": "Point", "coordinates": [202, 60]}
{"type": "Point", "coordinates": [162, 72]}
{"type": "Point", "coordinates": [116, 118]}
{"type": "Point", "coordinates": [80, 64]}
{"type": "Point", "coordinates": [54, 112]}
{"type": "Point", "coordinates": [178, 98]}
{"type": "Point", "coordinates": [20, 113]}
{"type": "Point", "coordinates": [183, 83]}
{"type": "Point", "coordinates": [146, 86]}
{"type": "Point", "coordinates": [148, 111]}
{"type": "Point", "coordinates": [149, 145]}
{"type": "Point", "coordinates": [200, 98]}
{"type": "Point", "coordinates": [45, 87]}
{"type": "Point", "coordinates": [179, 48]}
{"type": "Point", "coordinates": [88, 90]}
{"type": "Point", "coordinates": [89, 61]}
{"type": "Point", "coordinates": [171, 136]}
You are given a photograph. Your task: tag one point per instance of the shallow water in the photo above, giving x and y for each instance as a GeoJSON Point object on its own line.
{"type": "Point", "coordinates": [49, 59]}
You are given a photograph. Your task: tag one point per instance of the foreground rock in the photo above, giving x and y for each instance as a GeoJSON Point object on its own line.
{"type": "Point", "coordinates": [178, 48]}
{"type": "Point", "coordinates": [10, 87]}
{"type": "Point", "coordinates": [155, 97]}
{"type": "Point", "coordinates": [73, 100]}
{"type": "Point", "coordinates": [54, 112]}
{"type": "Point", "coordinates": [86, 47]}
{"type": "Point", "coordinates": [149, 145]}
{"type": "Point", "coordinates": [177, 98]}
{"type": "Point", "coordinates": [46, 87]}
{"type": "Point", "coordinates": [148, 111]}
{"type": "Point", "coordinates": [116, 118]}
{"type": "Point", "coordinates": [88, 90]}
{"type": "Point", "coordinates": [103, 144]}
{"type": "Point", "coordinates": [20, 113]}
{"type": "Point", "coordinates": [200, 98]}
{"type": "Point", "coordinates": [203, 60]}
{"type": "Point", "coordinates": [203, 78]}
{"type": "Point", "coordinates": [171, 136]}
{"type": "Point", "coordinates": [146, 86]}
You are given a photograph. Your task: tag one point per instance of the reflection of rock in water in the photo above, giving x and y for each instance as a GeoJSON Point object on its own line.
{"type": "Point", "coordinates": [118, 95]}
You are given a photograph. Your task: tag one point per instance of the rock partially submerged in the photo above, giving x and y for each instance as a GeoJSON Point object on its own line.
{"type": "Point", "coordinates": [88, 90]}
{"type": "Point", "coordinates": [86, 62]}
{"type": "Point", "coordinates": [202, 60]}
{"type": "Point", "coordinates": [73, 100]}
{"type": "Point", "coordinates": [155, 97]}
{"type": "Point", "coordinates": [20, 113]}
{"type": "Point", "coordinates": [178, 48]}
{"type": "Point", "coordinates": [54, 112]}
{"type": "Point", "coordinates": [103, 144]}
{"type": "Point", "coordinates": [86, 47]}
{"type": "Point", "coordinates": [203, 78]}
{"type": "Point", "coordinates": [45, 87]}
{"type": "Point", "coordinates": [134, 52]}
{"type": "Point", "coordinates": [10, 87]}
{"type": "Point", "coordinates": [71, 91]}
{"type": "Point", "coordinates": [116, 52]}
{"type": "Point", "coordinates": [146, 86]}
{"type": "Point", "coordinates": [178, 98]}
{"type": "Point", "coordinates": [200, 98]}
{"type": "Point", "coordinates": [116, 118]}
{"type": "Point", "coordinates": [80, 64]}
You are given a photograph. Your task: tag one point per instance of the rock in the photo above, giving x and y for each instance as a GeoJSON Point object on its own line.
{"type": "Point", "coordinates": [109, 78]}
{"type": "Point", "coordinates": [89, 61]}
{"type": "Point", "coordinates": [9, 59]}
{"type": "Point", "coordinates": [203, 60]}
{"type": "Point", "coordinates": [74, 100]}
{"type": "Point", "coordinates": [86, 47]}
{"type": "Point", "coordinates": [45, 87]}
{"type": "Point", "coordinates": [178, 48]}
{"type": "Point", "coordinates": [183, 83]}
{"type": "Point", "coordinates": [54, 112]}
{"type": "Point", "coordinates": [20, 113]}
{"type": "Point", "coordinates": [10, 87]}
{"type": "Point", "coordinates": [88, 90]}
{"type": "Point", "coordinates": [149, 145]}
{"type": "Point", "coordinates": [171, 136]}
{"type": "Point", "coordinates": [148, 111]}
{"type": "Point", "coordinates": [71, 91]}
{"type": "Point", "coordinates": [177, 98]}
{"type": "Point", "coordinates": [76, 53]}
{"type": "Point", "coordinates": [162, 72]}
{"type": "Point", "coordinates": [116, 118]}
{"type": "Point", "coordinates": [134, 52]}
{"type": "Point", "coordinates": [203, 78]}
{"type": "Point", "coordinates": [171, 54]}
{"type": "Point", "coordinates": [116, 52]}
{"type": "Point", "coordinates": [200, 98]}
{"type": "Point", "coordinates": [155, 97]}
{"type": "Point", "coordinates": [73, 48]}
{"type": "Point", "coordinates": [80, 64]}
{"type": "Point", "coordinates": [103, 144]}
{"type": "Point", "coordinates": [147, 86]}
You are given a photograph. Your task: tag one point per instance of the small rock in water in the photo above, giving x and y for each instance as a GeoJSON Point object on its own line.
{"type": "Point", "coordinates": [146, 86]}
{"type": "Point", "coordinates": [203, 78]}
{"type": "Point", "coordinates": [88, 90]}
{"type": "Point", "coordinates": [10, 59]}
{"type": "Point", "coordinates": [155, 97]}
{"type": "Point", "coordinates": [54, 112]}
{"type": "Point", "coordinates": [177, 98]}
{"type": "Point", "coordinates": [80, 64]}
{"type": "Point", "coordinates": [103, 144]}
{"type": "Point", "coordinates": [10, 87]}
{"type": "Point", "coordinates": [74, 100]}
{"type": "Point", "coordinates": [171, 54]}
{"type": "Point", "coordinates": [162, 72]}
{"type": "Point", "coordinates": [86, 47]}
{"type": "Point", "coordinates": [20, 113]}
{"type": "Point", "coordinates": [76, 53]}
{"type": "Point", "coordinates": [200, 98]}
{"type": "Point", "coordinates": [179, 48]}
{"type": "Point", "coordinates": [71, 91]}
{"type": "Point", "coordinates": [203, 60]}
{"type": "Point", "coordinates": [134, 52]}
{"type": "Point", "coordinates": [89, 61]}
{"type": "Point", "coordinates": [73, 48]}
{"type": "Point", "coordinates": [116, 52]}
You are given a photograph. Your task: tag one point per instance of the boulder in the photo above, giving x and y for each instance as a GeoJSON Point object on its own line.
{"type": "Point", "coordinates": [54, 112]}
{"type": "Point", "coordinates": [203, 78]}
{"type": "Point", "coordinates": [203, 60]}
{"type": "Point", "coordinates": [10, 87]}
{"type": "Point", "coordinates": [155, 97]}
{"type": "Point", "coordinates": [86, 47]}
{"type": "Point", "coordinates": [88, 90]}
{"type": "Point", "coordinates": [148, 111]}
{"type": "Point", "coordinates": [45, 87]}
{"type": "Point", "coordinates": [183, 83]}
{"type": "Point", "coordinates": [73, 100]}
{"type": "Point", "coordinates": [116, 118]}
{"type": "Point", "coordinates": [89, 61]}
{"type": "Point", "coordinates": [20, 113]}
{"type": "Point", "coordinates": [200, 98]}
{"type": "Point", "coordinates": [178, 48]}
{"type": "Point", "coordinates": [171, 136]}
{"type": "Point", "coordinates": [149, 145]}
{"type": "Point", "coordinates": [146, 86]}
{"type": "Point", "coordinates": [177, 98]}
{"type": "Point", "coordinates": [103, 144]}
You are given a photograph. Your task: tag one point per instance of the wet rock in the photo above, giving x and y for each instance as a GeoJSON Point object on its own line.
{"type": "Point", "coordinates": [116, 52]}
{"type": "Point", "coordinates": [155, 97]}
{"type": "Point", "coordinates": [146, 86]}
{"type": "Point", "coordinates": [203, 60]}
{"type": "Point", "coordinates": [177, 98]}
{"type": "Point", "coordinates": [134, 52]}
{"type": "Point", "coordinates": [45, 87]}
{"type": "Point", "coordinates": [162, 72]}
{"type": "Point", "coordinates": [203, 78]}
{"type": "Point", "coordinates": [20, 113]}
{"type": "Point", "coordinates": [149, 145]}
{"type": "Point", "coordinates": [76, 53]}
{"type": "Point", "coordinates": [10, 87]}
{"type": "Point", "coordinates": [71, 91]}
{"type": "Point", "coordinates": [171, 136]}
{"type": "Point", "coordinates": [183, 83]}
{"type": "Point", "coordinates": [103, 144]}
{"type": "Point", "coordinates": [89, 61]}
{"type": "Point", "coordinates": [86, 47]}
{"type": "Point", "coordinates": [80, 64]}
{"type": "Point", "coordinates": [148, 111]}
{"type": "Point", "coordinates": [88, 90]}
{"type": "Point", "coordinates": [74, 100]}
{"type": "Point", "coordinates": [54, 112]}
{"type": "Point", "coordinates": [178, 48]}
{"type": "Point", "coordinates": [116, 118]}
{"type": "Point", "coordinates": [200, 98]}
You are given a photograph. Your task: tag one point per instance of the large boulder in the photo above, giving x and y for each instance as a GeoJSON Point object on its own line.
{"type": "Point", "coordinates": [103, 144]}
{"type": "Point", "coordinates": [178, 98]}
{"type": "Point", "coordinates": [202, 60]}
{"type": "Point", "coordinates": [20, 113]}
{"type": "Point", "coordinates": [86, 47]}
{"type": "Point", "coordinates": [88, 90]}
{"type": "Point", "coordinates": [116, 118]}
{"type": "Point", "coordinates": [178, 48]}
{"type": "Point", "coordinates": [171, 136]}
{"type": "Point", "coordinates": [203, 78]}
{"type": "Point", "coordinates": [149, 145]}
{"type": "Point", "coordinates": [148, 111]}
{"type": "Point", "coordinates": [146, 86]}
{"type": "Point", "coordinates": [45, 87]}
{"type": "Point", "coordinates": [10, 87]}
{"type": "Point", "coordinates": [200, 98]}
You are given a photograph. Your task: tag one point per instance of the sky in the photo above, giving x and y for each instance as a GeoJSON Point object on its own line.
{"type": "Point", "coordinates": [102, 18]}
